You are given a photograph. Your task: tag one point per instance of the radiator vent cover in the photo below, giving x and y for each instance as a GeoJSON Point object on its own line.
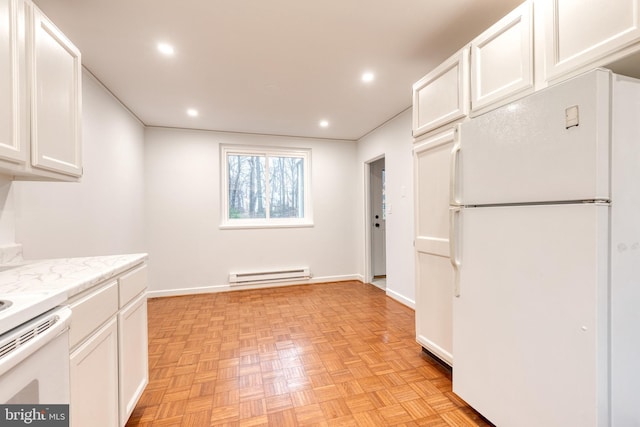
{"type": "Point", "coordinates": [269, 276]}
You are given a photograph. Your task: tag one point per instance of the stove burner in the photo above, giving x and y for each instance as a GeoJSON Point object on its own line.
{"type": "Point", "coordinates": [5, 304]}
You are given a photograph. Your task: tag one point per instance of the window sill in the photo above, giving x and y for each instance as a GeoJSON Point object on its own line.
{"type": "Point", "coordinates": [265, 225]}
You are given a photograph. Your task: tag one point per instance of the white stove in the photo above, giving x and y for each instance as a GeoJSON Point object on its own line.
{"type": "Point", "coordinates": [34, 321]}
{"type": "Point", "coordinates": [20, 307]}
{"type": "Point", "coordinates": [34, 342]}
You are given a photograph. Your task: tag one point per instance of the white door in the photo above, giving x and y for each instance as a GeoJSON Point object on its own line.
{"type": "Point", "coordinates": [434, 274]}
{"type": "Point", "coordinates": [530, 151]}
{"type": "Point", "coordinates": [378, 219]}
{"type": "Point", "coordinates": [531, 321]}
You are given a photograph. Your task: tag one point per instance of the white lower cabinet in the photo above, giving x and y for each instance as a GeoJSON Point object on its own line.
{"type": "Point", "coordinates": [94, 379]}
{"type": "Point", "coordinates": [109, 353]}
{"type": "Point", "coordinates": [134, 365]}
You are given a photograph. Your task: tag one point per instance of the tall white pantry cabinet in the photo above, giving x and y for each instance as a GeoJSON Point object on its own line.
{"type": "Point", "coordinates": [434, 274]}
{"type": "Point", "coordinates": [40, 96]}
{"type": "Point", "coordinates": [493, 69]}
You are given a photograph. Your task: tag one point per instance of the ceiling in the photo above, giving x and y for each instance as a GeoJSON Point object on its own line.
{"type": "Point", "coordinates": [269, 66]}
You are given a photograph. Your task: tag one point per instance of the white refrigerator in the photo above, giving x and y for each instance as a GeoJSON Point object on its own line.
{"type": "Point", "coordinates": [545, 242]}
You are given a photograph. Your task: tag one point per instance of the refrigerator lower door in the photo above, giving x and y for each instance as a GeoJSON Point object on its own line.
{"type": "Point", "coordinates": [530, 324]}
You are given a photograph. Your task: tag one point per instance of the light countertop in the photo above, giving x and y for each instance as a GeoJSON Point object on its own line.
{"type": "Point", "coordinates": [35, 287]}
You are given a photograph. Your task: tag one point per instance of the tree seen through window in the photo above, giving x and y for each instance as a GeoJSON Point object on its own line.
{"type": "Point", "coordinates": [265, 186]}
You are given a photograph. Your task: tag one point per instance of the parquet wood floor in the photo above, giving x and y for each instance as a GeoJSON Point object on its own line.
{"type": "Point", "coordinates": [331, 354]}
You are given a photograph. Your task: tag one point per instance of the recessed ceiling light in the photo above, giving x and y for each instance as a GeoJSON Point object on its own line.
{"type": "Point", "coordinates": [367, 77]}
{"type": "Point", "coordinates": [324, 123]}
{"type": "Point", "coordinates": [165, 49]}
{"type": "Point", "coordinates": [192, 112]}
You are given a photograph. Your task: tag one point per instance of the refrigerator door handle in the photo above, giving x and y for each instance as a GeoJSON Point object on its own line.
{"type": "Point", "coordinates": [453, 171]}
{"type": "Point", "coordinates": [454, 225]}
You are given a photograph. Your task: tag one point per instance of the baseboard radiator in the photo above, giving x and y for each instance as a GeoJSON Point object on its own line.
{"type": "Point", "coordinates": [269, 276]}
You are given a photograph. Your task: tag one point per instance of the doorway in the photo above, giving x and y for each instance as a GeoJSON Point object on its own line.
{"type": "Point", "coordinates": [377, 223]}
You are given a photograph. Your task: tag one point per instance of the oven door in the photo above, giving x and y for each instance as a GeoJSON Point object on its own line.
{"type": "Point", "coordinates": [34, 361]}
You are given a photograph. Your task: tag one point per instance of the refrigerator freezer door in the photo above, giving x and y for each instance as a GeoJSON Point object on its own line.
{"type": "Point", "coordinates": [531, 321]}
{"type": "Point", "coordinates": [532, 151]}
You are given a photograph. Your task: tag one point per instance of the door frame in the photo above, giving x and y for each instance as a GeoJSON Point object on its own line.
{"type": "Point", "coordinates": [368, 241]}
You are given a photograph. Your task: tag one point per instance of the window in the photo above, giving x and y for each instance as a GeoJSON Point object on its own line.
{"type": "Point", "coordinates": [265, 187]}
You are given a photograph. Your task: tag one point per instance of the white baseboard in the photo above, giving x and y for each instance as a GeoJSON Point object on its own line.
{"type": "Point", "coordinates": [187, 291]}
{"type": "Point", "coordinates": [340, 278]}
{"type": "Point", "coordinates": [401, 298]}
{"type": "Point", "coordinates": [228, 288]}
{"type": "Point", "coordinates": [373, 283]}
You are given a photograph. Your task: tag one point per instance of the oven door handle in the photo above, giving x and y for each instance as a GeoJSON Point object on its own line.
{"type": "Point", "coordinates": [21, 342]}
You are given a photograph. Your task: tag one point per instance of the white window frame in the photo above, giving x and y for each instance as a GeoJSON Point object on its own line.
{"type": "Point", "coordinates": [236, 223]}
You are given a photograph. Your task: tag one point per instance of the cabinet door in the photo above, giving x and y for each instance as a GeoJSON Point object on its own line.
{"type": "Point", "coordinates": [12, 96]}
{"type": "Point", "coordinates": [581, 33]}
{"type": "Point", "coordinates": [56, 95]}
{"type": "Point", "coordinates": [502, 61]}
{"type": "Point", "coordinates": [434, 273]}
{"type": "Point", "coordinates": [442, 96]}
{"type": "Point", "coordinates": [134, 368]}
{"type": "Point", "coordinates": [94, 379]}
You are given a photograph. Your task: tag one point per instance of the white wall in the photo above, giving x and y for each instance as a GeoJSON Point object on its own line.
{"type": "Point", "coordinates": [189, 252]}
{"type": "Point", "coordinates": [394, 141]}
{"type": "Point", "coordinates": [174, 176]}
{"type": "Point", "coordinates": [104, 213]}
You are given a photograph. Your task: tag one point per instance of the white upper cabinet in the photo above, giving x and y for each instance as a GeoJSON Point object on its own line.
{"type": "Point", "coordinates": [442, 96]}
{"type": "Point", "coordinates": [502, 61]}
{"type": "Point", "coordinates": [56, 95]}
{"type": "Point", "coordinates": [40, 97]}
{"type": "Point", "coordinates": [584, 34]}
{"type": "Point", "coordinates": [12, 69]}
